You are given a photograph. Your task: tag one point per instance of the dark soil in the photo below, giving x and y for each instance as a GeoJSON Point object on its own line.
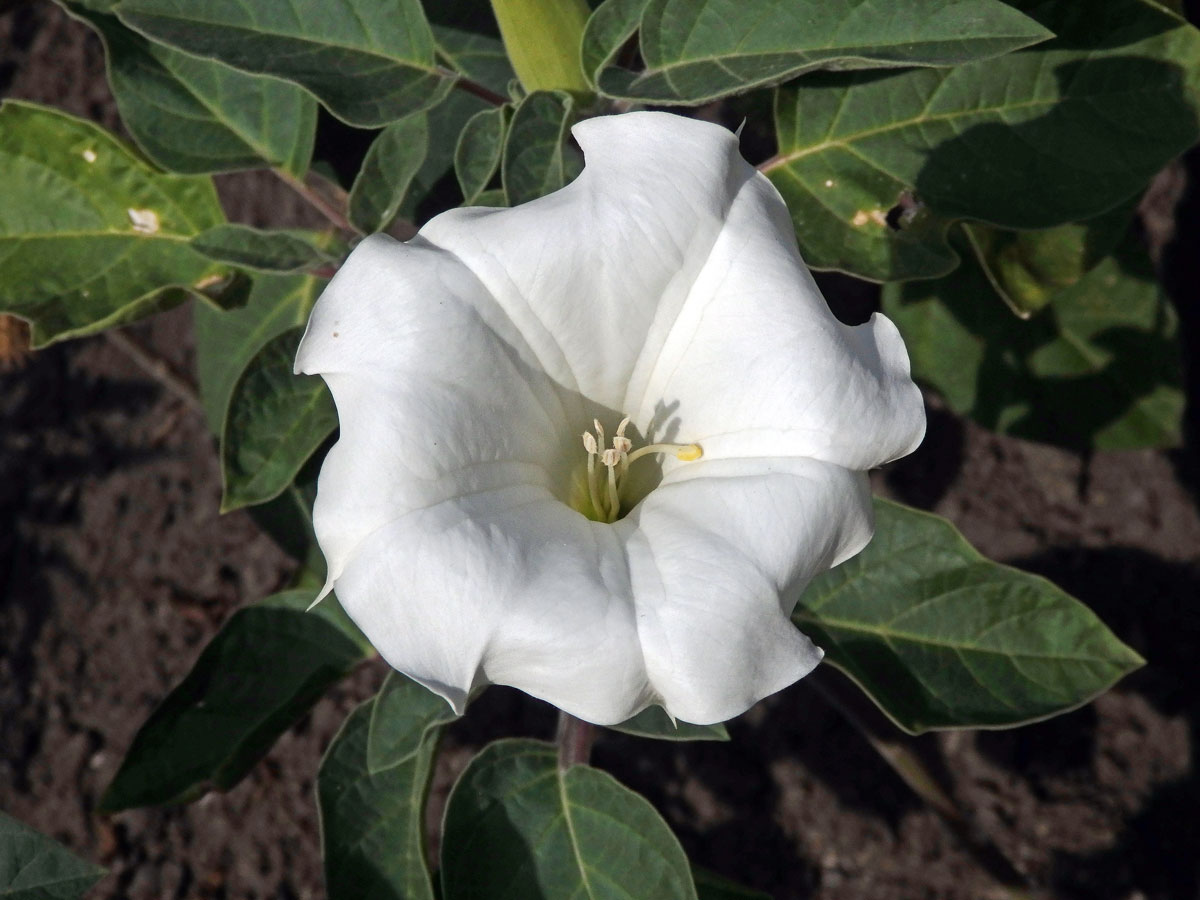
{"type": "Point", "coordinates": [115, 569]}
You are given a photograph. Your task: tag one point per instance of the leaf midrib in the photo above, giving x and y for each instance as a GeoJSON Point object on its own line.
{"type": "Point", "coordinates": [892, 634]}
{"type": "Point", "coordinates": [373, 53]}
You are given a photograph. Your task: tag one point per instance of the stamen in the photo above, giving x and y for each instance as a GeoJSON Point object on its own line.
{"type": "Point", "coordinates": [685, 452]}
{"type": "Point", "coordinates": [614, 498]}
{"type": "Point", "coordinates": [604, 494]}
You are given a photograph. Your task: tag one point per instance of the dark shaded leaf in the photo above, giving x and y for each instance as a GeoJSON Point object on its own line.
{"type": "Point", "coordinates": [265, 668]}
{"type": "Point", "coordinates": [276, 421]}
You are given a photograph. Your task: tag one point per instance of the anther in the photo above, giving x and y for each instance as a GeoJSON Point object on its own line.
{"type": "Point", "coordinates": [589, 443]}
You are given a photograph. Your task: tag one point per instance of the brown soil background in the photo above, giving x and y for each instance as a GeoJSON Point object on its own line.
{"type": "Point", "coordinates": [115, 569]}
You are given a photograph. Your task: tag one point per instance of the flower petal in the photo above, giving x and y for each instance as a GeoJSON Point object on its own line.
{"type": "Point", "coordinates": [433, 401]}
{"type": "Point", "coordinates": [719, 554]}
{"type": "Point", "coordinates": [509, 587]}
{"type": "Point", "coordinates": [756, 365]}
{"type": "Point", "coordinates": [591, 273]}
{"type": "Point", "coordinates": [666, 280]}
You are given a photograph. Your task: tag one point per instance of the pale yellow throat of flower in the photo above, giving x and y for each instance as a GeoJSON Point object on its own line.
{"type": "Point", "coordinates": [606, 469]}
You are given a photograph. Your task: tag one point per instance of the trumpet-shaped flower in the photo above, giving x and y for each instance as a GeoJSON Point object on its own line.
{"type": "Point", "coordinates": [596, 445]}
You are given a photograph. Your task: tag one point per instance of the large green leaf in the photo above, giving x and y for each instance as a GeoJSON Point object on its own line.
{"type": "Point", "coordinates": [90, 235]}
{"type": "Point", "coordinates": [34, 867]}
{"type": "Point", "coordinates": [519, 828]}
{"type": "Point", "coordinates": [1098, 367]}
{"type": "Point", "coordinates": [653, 722]}
{"type": "Point", "coordinates": [197, 115]}
{"type": "Point", "coordinates": [698, 50]}
{"type": "Point", "coordinates": [368, 61]}
{"type": "Point", "coordinates": [1053, 134]}
{"type": "Point", "coordinates": [537, 159]}
{"type": "Point", "coordinates": [226, 341]}
{"type": "Point", "coordinates": [940, 637]}
{"type": "Point", "coordinates": [402, 716]}
{"type": "Point", "coordinates": [265, 668]}
{"type": "Point", "coordinates": [276, 421]}
{"type": "Point", "coordinates": [392, 162]}
{"type": "Point", "coordinates": [373, 817]}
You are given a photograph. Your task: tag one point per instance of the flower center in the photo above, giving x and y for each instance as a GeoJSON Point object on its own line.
{"type": "Point", "coordinates": [606, 468]}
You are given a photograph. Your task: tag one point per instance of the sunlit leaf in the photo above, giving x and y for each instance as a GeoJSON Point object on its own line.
{"type": "Point", "coordinates": [517, 826]}
{"type": "Point", "coordinates": [91, 236]}
{"type": "Point", "coordinates": [875, 166]}
{"type": "Point", "coordinates": [698, 50]}
{"type": "Point", "coordinates": [197, 115]}
{"type": "Point", "coordinates": [940, 637]}
{"type": "Point", "coordinates": [369, 62]}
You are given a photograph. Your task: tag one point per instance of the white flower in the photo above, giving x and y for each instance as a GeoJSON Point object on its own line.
{"type": "Point", "coordinates": [663, 286]}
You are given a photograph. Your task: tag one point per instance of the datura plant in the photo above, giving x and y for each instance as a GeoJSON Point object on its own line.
{"type": "Point", "coordinates": [584, 424]}
{"type": "Point", "coordinates": [475, 537]}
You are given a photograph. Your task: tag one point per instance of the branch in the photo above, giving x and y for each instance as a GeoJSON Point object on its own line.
{"type": "Point", "coordinates": [473, 87]}
{"type": "Point", "coordinates": [574, 740]}
{"type": "Point", "coordinates": [154, 364]}
{"type": "Point", "coordinates": [316, 201]}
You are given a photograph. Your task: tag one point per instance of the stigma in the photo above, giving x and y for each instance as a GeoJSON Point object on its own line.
{"type": "Point", "coordinates": [606, 466]}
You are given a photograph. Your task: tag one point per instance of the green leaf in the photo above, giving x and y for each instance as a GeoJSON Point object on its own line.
{"type": "Point", "coordinates": [373, 821]}
{"type": "Point", "coordinates": [265, 668]}
{"type": "Point", "coordinates": [433, 189]}
{"type": "Point", "coordinates": [369, 62]}
{"type": "Point", "coordinates": [1024, 141]}
{"type": "Point", "coordinates": [477, 156]}
{"type": "Point", "coordinates": [266, 251]}
{"type": "Point", "coordinates": [467, 39]}
{"type": "Point", "coordinates": [1099, 367]}
{"type": "Point", "coordinates": [402, 716]}
{"type": "Point", "coordinates": [1027, 268]}
{"type": "Point", "coordinates": [940, 637]}
{"type": "Point", "coordinates": [696, 51]}
{"type": "Point", "coordinates": [276, 421]}
{"type": "Point", "coordinates": [710, 886]}
{"type": "Point", "coordinates": [90, 235]}
{"type": "Point", "coordinates": [227, 341]}
{"type": "Point", "coordinates": [518, 827]}
{"type": "Point", "coordinates": [610, 27]}
{"type": "Point", "coordinates": [197, 115]}
{"type": "Point", "coordinates": [653, 722]}
{"type": "Point", "coordinates": [392, 162]}
{"type": "Point", "coordinates": [34, 867]}
{"type": "Point", "coordinates": [537, 160]}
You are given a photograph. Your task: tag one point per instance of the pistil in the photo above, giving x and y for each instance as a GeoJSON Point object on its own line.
{"type": "Point", "coordinates": [604, 490]}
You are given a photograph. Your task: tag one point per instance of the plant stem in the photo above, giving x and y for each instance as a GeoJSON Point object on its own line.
{"type": "Point", "coordinates": [474, 88]}
{"type": "Point", "coordinates": [542, 39]}
{"type": "Point", "coordinates": [903, 759]}
{"type": "Point", "coordinates": [150, 361]}
{"type": "Point", "coordinates": [316, 201]}
{"type": "Point", "coordinates": [574, 740]}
